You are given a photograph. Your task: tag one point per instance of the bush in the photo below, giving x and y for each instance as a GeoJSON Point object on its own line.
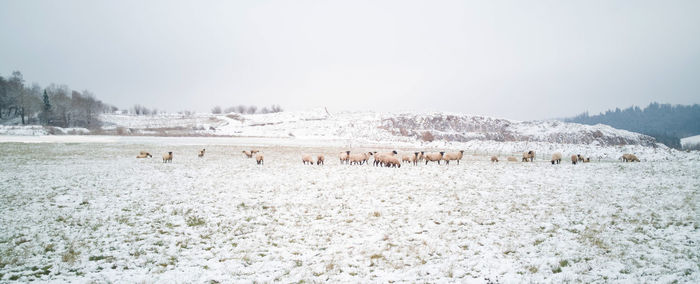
{"type": "Point", "coordinates": [428, 137]}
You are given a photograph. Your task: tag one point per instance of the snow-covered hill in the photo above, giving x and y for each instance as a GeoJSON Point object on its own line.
{"type": "Point", "coordinates": [371, 126]}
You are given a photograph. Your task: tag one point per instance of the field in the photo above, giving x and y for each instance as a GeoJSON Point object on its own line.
{"type": "Point", "coordinates": [91, 211]}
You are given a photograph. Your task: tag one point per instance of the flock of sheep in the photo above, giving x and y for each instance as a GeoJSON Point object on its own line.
{"type": "Point", "coordinates": [390, 159]}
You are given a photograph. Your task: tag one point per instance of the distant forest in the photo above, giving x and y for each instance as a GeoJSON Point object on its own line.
{"type": "Point", "coordinates": [667, 123]}
{"type": "Point", "coordinates": [58, 105]}
{"type": "Point", "coordinates": [55, 105]}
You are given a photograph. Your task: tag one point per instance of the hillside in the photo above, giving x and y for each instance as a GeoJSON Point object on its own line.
{"type": "Point", "coordinates": [371, 126]}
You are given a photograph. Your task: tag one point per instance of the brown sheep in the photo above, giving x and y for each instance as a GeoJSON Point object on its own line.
{"type": "Point", "coordinates": [574, 159]}
{"type": "Point", "coordinates": [434, 157]}
{"type": "Point", "coordinates": [259, 159]}
{"type": "Point", "coordinates": [168, 158]}
{"type": "Point", "coordinates": [359, 159]}
{"type": "Point", "coordinates": [454, 156]}
{"type": "Point", "coordinates": [392, 162]}
{"type": "Point", "coordinates": [494, 159]}
{"type": "Point", "coordinates": [248, 154]}
{"type": "Point", "coordinates": [556, 158]}
{"type": "Point", "coordinates": [320, 160]}
{"type": "Point", "coordinates": [201, 153]}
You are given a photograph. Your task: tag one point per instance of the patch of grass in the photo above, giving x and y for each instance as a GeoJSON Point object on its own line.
{"type": "Point", "coordinates": [564, 263]}
{"type": "Point", "coordinates": [376, 214]}
{"type": "Point", "coordinates": [537, 242]}
{"type": "Point", "coordinates": [533, 269]}
{"type": "Point", "coordinates": [556, 269]}
{"type": "Point", "coordinates": [71, 255]}
{"type": "Point", "coordinates": [195, 221]}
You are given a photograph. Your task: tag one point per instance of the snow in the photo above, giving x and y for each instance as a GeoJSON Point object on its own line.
{"type": "Point", "coordinates": [690, 141]}
{"type": "Point", "coordinates": [373, 126]}
{"type": "Point", "coordinates": [83, 209]}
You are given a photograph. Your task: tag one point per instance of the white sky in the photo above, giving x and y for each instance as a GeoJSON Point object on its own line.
{"type": "Point", "coordinates": [512, 59]}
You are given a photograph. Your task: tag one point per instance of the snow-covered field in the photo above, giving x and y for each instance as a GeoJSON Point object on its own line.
{"type": "Point", "coordinates": [75, 211]}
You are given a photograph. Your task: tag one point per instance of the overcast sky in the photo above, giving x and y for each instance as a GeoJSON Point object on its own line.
{"type": "Point", "coordinates": [512, 59]}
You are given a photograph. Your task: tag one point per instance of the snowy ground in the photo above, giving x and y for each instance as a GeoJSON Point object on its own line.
{"type": "Point", "coordinates": [91, 211]}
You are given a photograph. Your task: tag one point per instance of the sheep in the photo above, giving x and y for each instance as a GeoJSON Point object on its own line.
{"type": "Point", "coordinates": [512, 159]}
{"type": "Point", "coordinates": [629, 158]}
{"type": "Point", "coordinates": [320, 159]}
{"type": "Point", "coordinates": [580, 158]}
{"type": "Point", "coordinates": [259, 159]}
{"type": "Point", "coordinates": [379, 158]}
{"type": "Point", "coordinates": [392, 162]}
{"type": "Point", "coordinates": [144, 154]}
{"type": "Point", "coordinates": [574, 159]}
{"type": "Point", "coordinates": [307, 159]}
{"type": "Point", "coordinates": [248, 154]}
{"type": "Point", "coordinates": [454, 156]}
{"type": "Point", "coordinates": [494, 159]}
{"type": "Point", "coordinates": [434, 157]}
{"type": "Point", "coordinates": [201, 153]}
{"type": "Point", "coordinates": [421, 156]}
{"type": "Point", "coordinates": [343, 156]}
{"type": "Point", "coordinates": [415, 158]}
{"type": "Point", "coordinates": [359, 159]}
{"type": "Point", "coordinates": [556, 158]}
{"type": "Point", "coordinates": [168, 158]}
{"type": "Point", "coordinates": [587, 160]}
{"type": "Point", "coordinates": [529, 156]}
{"type": "Point", "coordinates": [254, 151]}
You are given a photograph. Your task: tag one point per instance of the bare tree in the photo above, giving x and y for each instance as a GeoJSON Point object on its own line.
{"type": "Point", "coordinates": [252, 109]}
{"type": "Point", "coordinates": [216, 110]}
{"type": "Point", "coordinates": [241, 109]}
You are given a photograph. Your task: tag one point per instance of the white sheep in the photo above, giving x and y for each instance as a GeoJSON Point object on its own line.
{"type": "Point", "coordinates": [529, 156]}
{"type": "Point", "coordinates": [168, 158]}
{"type": "Point", "coordinates": [320, 159]}
{"type": "Point", "coordinates": [201, 153]}
{"type": "Point", "coordinates": [391, 161]}
{"type": "Point", "coordinates": [433, 157]}
{"type": "Point", "coordinates": [307, 159]}
{"type": "Point", "coordinates": [379, 159]}
{"type": "Point", "coordinates": [574, 159]}
{"type": "Point", "coordinates": [248, 154]}
{"type": "Point", "coordinates": [454, 156]}
{"type": "Point", "coordinates": [556, 158]}
{"type": "Point", "coordinates": [259, 159]}
{"type": "Point", "coordinates": [343, 156]}
{"type": "Point", "coordinates": [144, 154]}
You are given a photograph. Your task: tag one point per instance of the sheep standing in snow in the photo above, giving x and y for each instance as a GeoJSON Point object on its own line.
{"type": "Point", "coordinates": [259, 159]}
{"type": "Point", "coordinates": [494, 159]}
{"type": "Point", "coordinates": [580, 158]}
{"type": "Point", "coordinates": [391, 161]}
{"type": "Point", "coordinates": [434, 157]}
{"type": "Point", "coordinates": [587, 160]}
{"type": "Point", "coordinates": [512, 159]}
{"type": "Point", "coordinates": [380, 159]}
{"type": "Point", "coordinates": [574, 159]}
{"type": "Point", "coordinates": [168, 158]}
{"type": "Point", "coordinates": [415, 158]}
{"type": "Point", "coordinates": [556, 158]}
{"type": "Point", "coordinates": [454, 156]}
{"type": "Point", "coordinates": [629, 158]}
{"type": "Point", "coordinates": [343, 156]}
{"type": "Point", "coordinates": [359, 159]}
{"type": "Point", "coordinates": [144, 154]}
{"type": "Point", "coordinates": [307, 159]}
{"type": "Point", "coordinates": [201, 153]}
{"type": "Point", "coordinates": [248, 154]}
{"type": "Point", "coordinates": [529, 156]}
{"type": "Point", "coordinates": [320, 160]}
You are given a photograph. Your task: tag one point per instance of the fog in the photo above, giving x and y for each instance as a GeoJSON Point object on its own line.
{"type": "Point", "coordinates": [511, 59]}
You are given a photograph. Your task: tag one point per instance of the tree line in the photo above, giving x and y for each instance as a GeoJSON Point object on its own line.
{"type": "Point", "coordinates": [55, 105]}
{"type": "Point", "coordinates": [665, 122]}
